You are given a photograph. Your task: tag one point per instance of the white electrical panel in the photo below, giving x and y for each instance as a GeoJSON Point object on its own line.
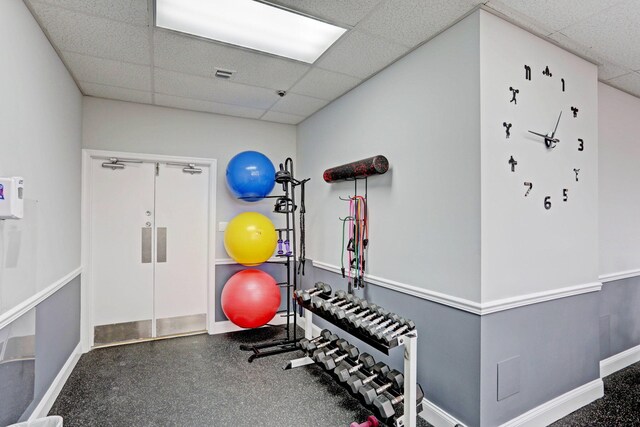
{"type": "Point", "coordinates": [11, 198]}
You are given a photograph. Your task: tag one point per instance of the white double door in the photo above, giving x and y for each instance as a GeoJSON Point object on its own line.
{"type": "Point", "coordinates": [149, 250]}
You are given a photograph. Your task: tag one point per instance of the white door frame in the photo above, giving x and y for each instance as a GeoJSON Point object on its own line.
{"type": "Point", "coordinates": [86, 310]}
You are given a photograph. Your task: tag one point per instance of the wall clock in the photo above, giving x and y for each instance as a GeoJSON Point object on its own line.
{"type": "Point", "coordinates": [543, 132]}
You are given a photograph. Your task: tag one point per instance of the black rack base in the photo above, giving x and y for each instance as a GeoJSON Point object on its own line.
{"type": "Point", "coordinates": [277, 347]}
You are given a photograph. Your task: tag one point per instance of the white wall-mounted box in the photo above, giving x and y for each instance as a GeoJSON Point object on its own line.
{"type": "Point", "coordinates": [11, 198]}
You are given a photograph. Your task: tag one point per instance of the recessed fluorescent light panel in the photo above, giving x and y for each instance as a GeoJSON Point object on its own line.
{"type": "Point", "coordinates": [250, 24]}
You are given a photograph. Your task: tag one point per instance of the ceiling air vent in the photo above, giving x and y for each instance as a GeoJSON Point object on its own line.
{"type": "Point", "coordinates": [224, 74]}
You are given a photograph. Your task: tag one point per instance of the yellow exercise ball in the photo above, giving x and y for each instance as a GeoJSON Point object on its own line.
{"type": "Point", "coordinates": [250, 238]}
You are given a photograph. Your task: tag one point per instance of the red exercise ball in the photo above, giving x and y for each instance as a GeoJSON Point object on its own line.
{"type": "Point", "coordinates": [250, 298]}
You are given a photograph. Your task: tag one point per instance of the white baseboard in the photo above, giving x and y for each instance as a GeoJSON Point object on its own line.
{"type": "Point", "coordinates": [559, 407]}
{"type": "Point", "coordinates": [54, 389]}
{"type": "Point", "coordinates": [619, 361]}
{"type": "Point", "coordinates": [436, 416]}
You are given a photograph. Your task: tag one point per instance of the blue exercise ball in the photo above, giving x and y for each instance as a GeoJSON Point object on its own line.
{"type": "Point", "coordinates": [250, 176]}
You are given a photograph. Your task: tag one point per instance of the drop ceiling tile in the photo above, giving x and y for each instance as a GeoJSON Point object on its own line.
{"type": "Point", "coordinates": [89, 35]}
{"type": "Point", "coordinates": [325, 84]}
{"type": "Point", "coordinates": [608, 71]}
{"type": "Point", "coordinates": [552, 14]}
{"type": "Point", "coordinates": [337, 11]}
{"type": "Point", "coordinates": [410, 22]}
{"type": "Point", "coordinates": [213, 89]}
{"type": "Point", "coordinates": [206, 106]}
{"type": "Point", "coordinates": [200, 57]}
{"type": "Point", "coordinates": [298, 104]}
{"type": "Point", "coordinates": [581, 50]}
{"type": "Point", "coordinates": [361, 55]}
{"type": "Point", "coordinates": [629, 83]}
{"type": "Point", "coordinates": [107, 72]}
{"type": "Point", "coordinates": [614, 32]}
{"type": "Point", "coordinates": [112, 92]}
{"type": "Point", "coordinates": [532, 25]}
{"type": "Point", "coordinates": [274, 116]}
{"type": "Point", "coordinates": [129, 11]}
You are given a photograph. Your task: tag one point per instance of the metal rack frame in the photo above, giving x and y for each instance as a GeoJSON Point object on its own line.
{"type": "Point", "coordinates": [410, 343]}
{"type": "Point", "coordinates": [290, 342]}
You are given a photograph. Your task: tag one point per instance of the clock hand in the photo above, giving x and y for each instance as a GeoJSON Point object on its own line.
{"type": "Point", "coordinates": [557, 123]}
{"type": "Point", "coordinates": [549, 142]}
{"type": "Point", "coordinates": [539, 134]}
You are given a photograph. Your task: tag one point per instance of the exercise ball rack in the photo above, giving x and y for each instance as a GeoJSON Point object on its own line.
{"type": "Point", "coordinates": [289, 258]}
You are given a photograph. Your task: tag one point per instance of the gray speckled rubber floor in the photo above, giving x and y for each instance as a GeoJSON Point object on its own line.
{"type": "Point", "coordinates": [620, 405]}
{"type": "Point", "coordinates": [202, 381]}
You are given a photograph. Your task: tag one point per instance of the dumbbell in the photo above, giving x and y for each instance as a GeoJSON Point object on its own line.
{"type": "Point", "coordinates": [372, 327]}
{"type": "Point", "coordinates": [356, 319]}
{"type": "Point", "coordinates": [329, 362]}
{"type": "Point", "coordinates": [321, 353]}
{"type": "Point", "coordinates": [360, 304]}
{"type": "Point", "coordinates": [395, 381]}
{"type": "Point", "coordinates": [344, 371]}
{"type": "Point", "coordinates": [385, 405]}
{"type": "Point", "coordinates": [394, 330]}
{"type": "Point", "coordinates": [318, 302]}
{"type": "Point", "coordinates": [379, 370]}
{"type": "Point", "coordinates": [337, 296]}
{"type": "Point", "coordinates": [386, 326]}
{"type": "Point", "coordinates": [324, 334]}
{"type": "Point", "coordinates": [391, 339]}
{"type": "Point", "coordinates": [314, 345]}
{"type": "Point", "coordinates": [379, 315]}
{"type": "Point", "coordinates": [320, 288]}
{"type": "Point", "coordinates": [348, 301]}
{"type": "Point", "coordinates": [371, 422]}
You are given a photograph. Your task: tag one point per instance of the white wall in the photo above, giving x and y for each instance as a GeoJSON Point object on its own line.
{"type": "Point", "coordinates": [619, 185]}
{"type": "Point", "coordinates": [423, 114]}
{"type": "Point", "coordinates": [525, 248]}
{"type": "Point", "coordinates": [40, 138]}
{"type": "Point", "coordinates": [124, 126]}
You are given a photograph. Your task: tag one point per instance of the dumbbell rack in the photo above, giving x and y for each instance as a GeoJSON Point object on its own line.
{"type": "Point", "coordinates": [410, 343]}
{"type": "Point", "coordinates": [290, 342]}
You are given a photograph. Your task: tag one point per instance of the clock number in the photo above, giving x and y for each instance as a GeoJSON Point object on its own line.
{"type": "Point", "coordinates": [547, 202]}
{"type": "Point", "coordinates": [514, 93]}
{"type": "Point", "coordinates": [507, 128]}
{"type": "Point", "coordinates": [547, 72]}
{"type": "Point", "coordinates": [580, 144]}
{"type": "Point", "coordinates": [513, 162]}
{"type": "Point", "coordinates": [527, 72]}
{"type": "Point", "coordinates": [530, 185]}
{"type": "Point", "coordinates": [562, 84]}
{"type": "Point", "coordinates": [574, 110]}
{"type": "Point", "coordinates": [565, 195]}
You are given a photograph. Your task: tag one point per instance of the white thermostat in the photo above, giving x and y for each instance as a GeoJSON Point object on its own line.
{"type": "Point", "coordinates": [11, 198]}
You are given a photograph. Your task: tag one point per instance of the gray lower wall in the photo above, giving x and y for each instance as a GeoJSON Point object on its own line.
{"type": "Point", "coordinates": [619, 316]}
{"type": "Point", "coordinates": [544, 350]}
{"type": "Point", "coordinates": [17, 368]}
{"type": "Point", "coordinates": [57, 333]}
{"type": "Point", "coordinates": [225, 271]}
{"type": "Point", "coordinates": [47, 335]}
{"type": "Point", "coordinates": [448, 345]}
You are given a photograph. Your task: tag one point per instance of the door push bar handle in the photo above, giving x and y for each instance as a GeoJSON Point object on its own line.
{"type": "Point", "coordinates": [161, 253]}
{"type": "Point", "coordinates": [146, 245]}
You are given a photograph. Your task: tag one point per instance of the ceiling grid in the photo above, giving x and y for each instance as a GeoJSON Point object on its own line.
{"type": "Point", "coordinates": [112, 50]}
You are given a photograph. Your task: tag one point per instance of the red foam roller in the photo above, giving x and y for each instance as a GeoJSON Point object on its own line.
{"type": "Point", "coordinates": [376, 165]}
